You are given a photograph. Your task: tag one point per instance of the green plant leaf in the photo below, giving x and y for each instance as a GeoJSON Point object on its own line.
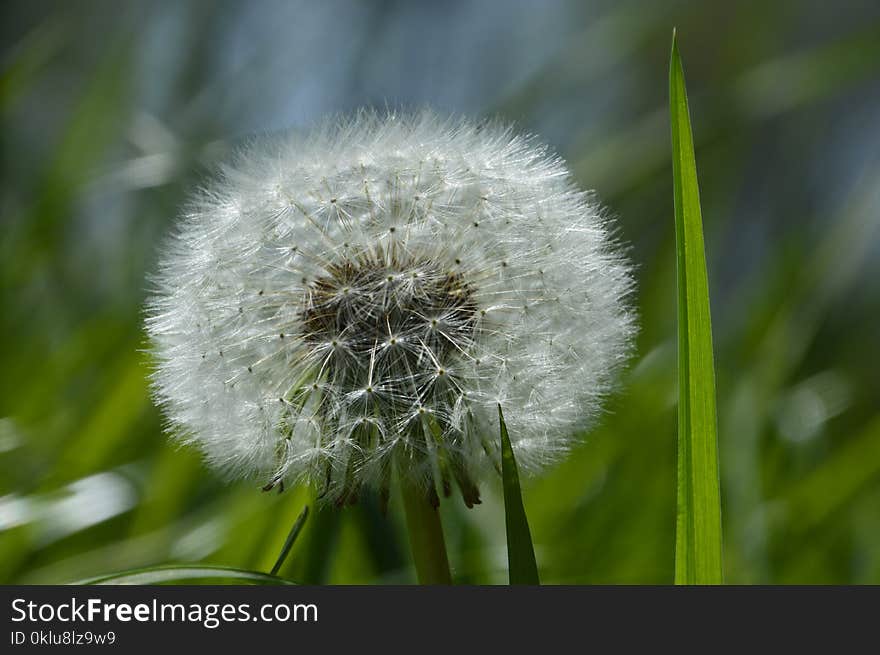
{"type": "Point", "coordinates": [520, 552]}
{"type": "Point", "coordinates": [185, 574]}
{"type": "Point", "coordinates": [291, 538]}
{"type": "Point", "coordinates": [698, 553]}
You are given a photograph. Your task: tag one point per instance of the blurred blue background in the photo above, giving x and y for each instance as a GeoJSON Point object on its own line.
{"type": "Point", "coordinates": [112, 111]}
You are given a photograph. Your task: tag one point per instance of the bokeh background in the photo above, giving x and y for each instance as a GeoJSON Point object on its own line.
{"type": "Point", "coordinates": [111, 111]}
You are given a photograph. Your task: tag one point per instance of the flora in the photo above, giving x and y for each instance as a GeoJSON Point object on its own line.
{"type": "Point", "coordinates": [374, 291]}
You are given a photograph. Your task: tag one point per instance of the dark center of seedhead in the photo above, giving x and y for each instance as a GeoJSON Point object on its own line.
{"type": "Point", "coordinates": [396, 317]}
{"type": "Point", "coordinates": [392, 334]}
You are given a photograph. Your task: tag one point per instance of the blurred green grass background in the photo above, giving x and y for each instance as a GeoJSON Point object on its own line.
{"type": "Point", "coordinates": [111, 112]}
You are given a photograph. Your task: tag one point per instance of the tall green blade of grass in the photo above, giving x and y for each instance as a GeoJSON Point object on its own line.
{"type": "Point", "coordinates": [522, 567]}
{"type": "Point", "coordinates": [291, 539]}
{"type": "Point", "coordinates": [698, 557]}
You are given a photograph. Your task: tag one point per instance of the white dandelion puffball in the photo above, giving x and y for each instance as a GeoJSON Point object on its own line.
{"type": "Point", "coordinates": [372, 291]}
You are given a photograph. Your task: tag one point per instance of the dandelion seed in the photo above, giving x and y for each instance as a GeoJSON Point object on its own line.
{"type": "Point", "coordinates": [392, 279]}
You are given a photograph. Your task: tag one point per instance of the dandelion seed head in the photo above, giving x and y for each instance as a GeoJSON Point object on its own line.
{"type": "Point", "coordinates": [373, 290]}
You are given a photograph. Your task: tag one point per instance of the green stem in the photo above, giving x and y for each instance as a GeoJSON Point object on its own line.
{"type": "Point", "coordinates": [425, 535]}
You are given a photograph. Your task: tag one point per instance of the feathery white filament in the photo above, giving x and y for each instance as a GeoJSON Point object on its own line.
{"type": "Point", "coordinates": [374, 290]}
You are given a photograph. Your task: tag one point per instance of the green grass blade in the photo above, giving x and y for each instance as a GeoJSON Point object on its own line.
{"type": "Point", "coordinates": [698, 555]}
{"type": "Point", "coordinates": [186, 574]}
{"type": "Point", "coordinates": [291, 538]}
{"type": "Point", "coordinates": [520, 552]}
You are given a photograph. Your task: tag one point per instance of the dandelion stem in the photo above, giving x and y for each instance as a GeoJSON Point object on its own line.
{"type": "Point", "coordinates": [425, 535]}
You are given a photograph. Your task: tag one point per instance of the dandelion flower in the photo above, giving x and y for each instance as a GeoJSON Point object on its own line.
{"type": "Point", "coordinates": [372, 291]}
